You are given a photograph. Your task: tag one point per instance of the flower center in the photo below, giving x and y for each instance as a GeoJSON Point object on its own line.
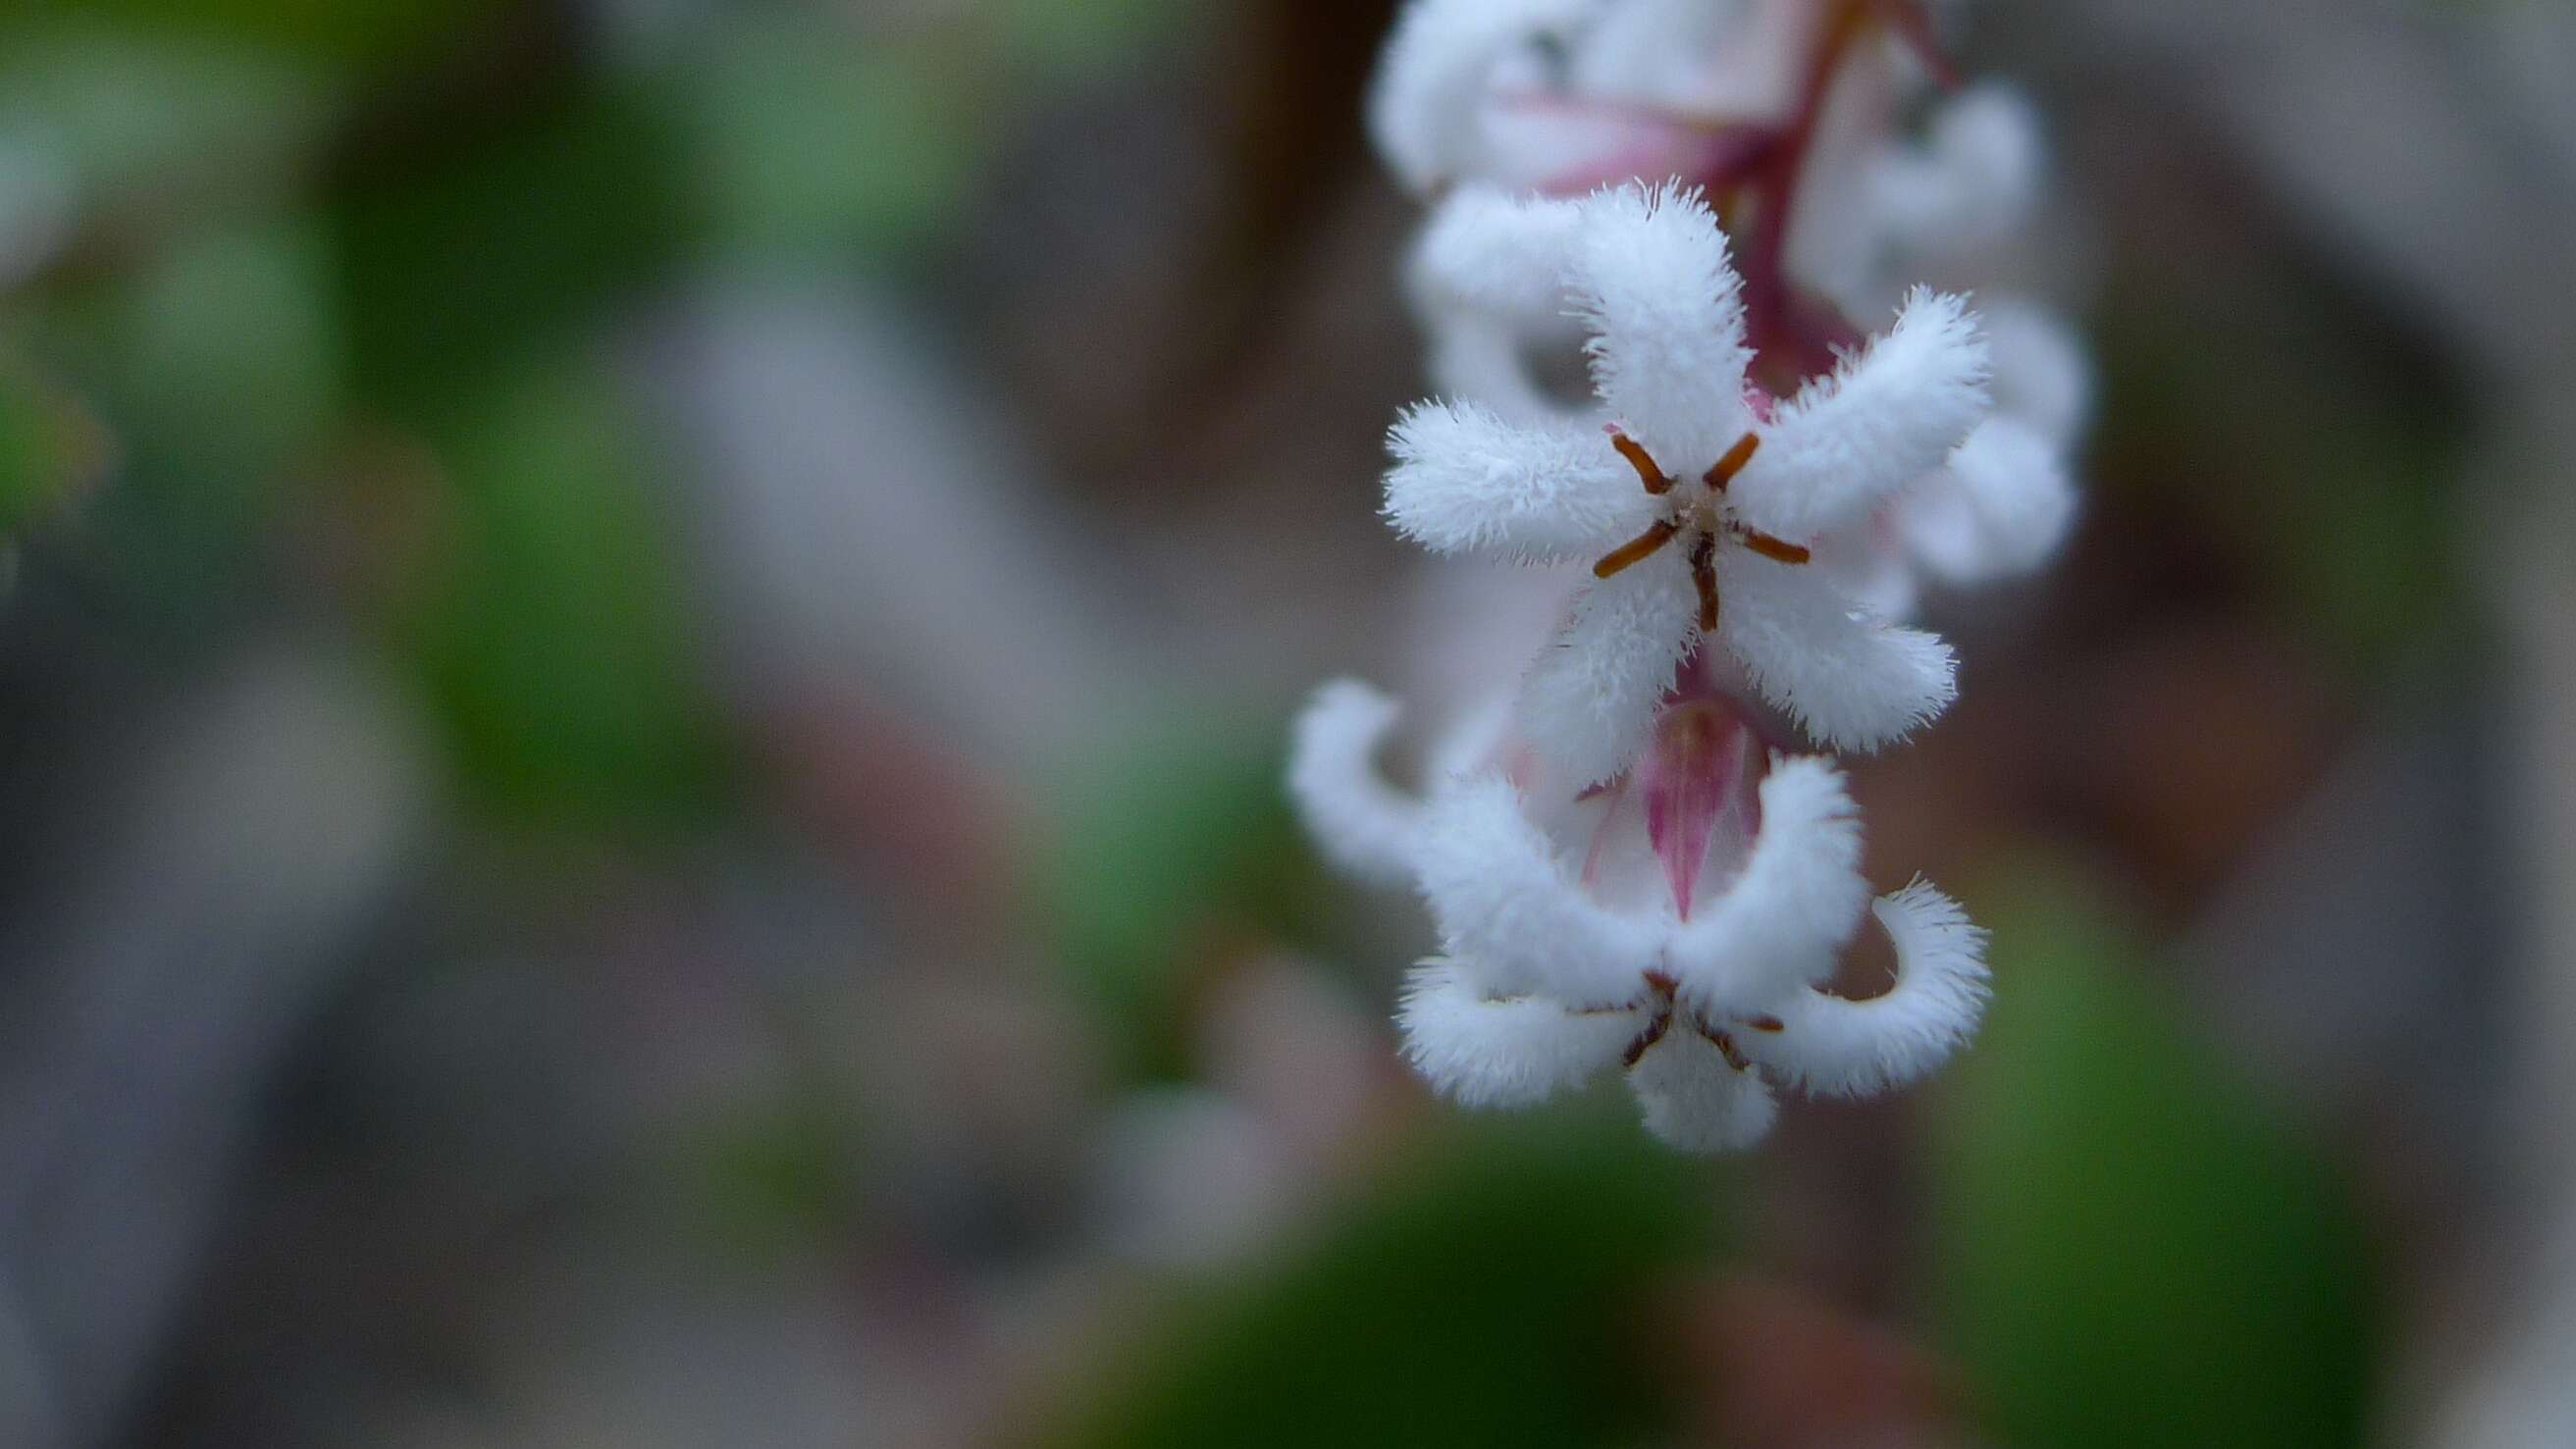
{"type": "Point", "coordinates": [1662, 1009]}
{"type": "Point", "coordinates": [1702, 517]}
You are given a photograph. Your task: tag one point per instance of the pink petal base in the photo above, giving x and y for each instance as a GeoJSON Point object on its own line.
{"type": "Point", "coordinates": [1693, 778]}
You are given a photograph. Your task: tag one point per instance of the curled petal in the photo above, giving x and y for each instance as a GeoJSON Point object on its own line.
{"type": "Point", "coordinates": [1847, 442]}
{"type": "Point", "coordinates": [1694, 1098]}
{"type": "Point", "coordinates": [1491, 250]}
{"type": "Point", "coordinates": [1364, 824]}
{"type": "Point", "coordinates": [1509, 912]}
{"type": "Point", "coordinates": [2042, 375]}
{"type": "Point", "coordinates": [1852, 684]}
{"type": "Point", "coordinates": [1464, 479]}
{"type": "Point", "coordinates": [1508, 1052]}
{"type": "Point", "coordinates": [1794, 905]}
{"type": "Point", "coordinates": [1425, 107]}
{"type": "Point", "coordinates": [1651, 276]}
{"type": "Point", "coordinates": [1588, 702]}
{"type": "Point", "coordinates": [2002, 507]}
{"type": "Point", "coordinates": [1971, 182]}
{"type": "Point", "coordinates": [1845, 1048]}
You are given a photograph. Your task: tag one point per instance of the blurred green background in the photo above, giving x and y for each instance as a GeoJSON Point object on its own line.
{"type": "Point", "coordinates": [641, 691]}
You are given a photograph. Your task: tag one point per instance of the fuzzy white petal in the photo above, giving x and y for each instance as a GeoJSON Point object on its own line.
{"type": "Point", "coordinates": [1838, 1047]}
{"type": "Point", "coordinates": [1509, 911]}
{"type": "Point", "coordinates": [1589, 699]}
{"type": "Point", "coordinates": [1698, 1102]}
{"type": "Point", "coordinates": [1495, 251]}
{"type": "Point", "coordinates": [1971, 182]}
{"type": "Point", "coordinates": [1852, 684]}
{"type": "Point", "coordinates": [2001, 508]}
{"type": "Point", "coordinates": [1425, 105]}
{"type": "Point", "coordinates": [1365, 825]}
{"type": "Point", "coordinates": [1506, 1052]}
{"type": "Point", "coordinates": [1850, 440]}
{"type": "Point", "coordinates": [1651, 275]}
{"type": "Point", "coordinates": [1464, 479]}
{"type": "Point", "coordinates": [2042, 375]}
{"type": "Point", "coordinates": [1794, 905]}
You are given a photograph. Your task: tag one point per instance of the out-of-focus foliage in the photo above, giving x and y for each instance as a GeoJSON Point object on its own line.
{"type": "Point", "coordinates": [2133, 1249]}
{"type": "Point", "coordinates": [1491, 1296]}
{"type": "Point", "coordinates": [1177, 845]}
{"type": "Point", "coordinates": [346, 32]}
{"type": "Point", "coordinates": [552, 640]}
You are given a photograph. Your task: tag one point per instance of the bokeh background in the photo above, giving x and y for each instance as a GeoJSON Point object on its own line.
{"type": "Point", "coordinates": [641, 698]}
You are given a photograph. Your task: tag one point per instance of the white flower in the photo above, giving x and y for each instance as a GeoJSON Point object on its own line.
{"type": "Point", "coordinates": [1734, 488]}
{"type": "Point", "coordinates": [1679, 923]}
{"type": "Point", "coordinates": [2006, 500]}
{"type": "Point", "coordinates": [1427, 105]}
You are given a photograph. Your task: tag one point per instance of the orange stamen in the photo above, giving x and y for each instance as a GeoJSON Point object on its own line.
{"type": "Point", "coordinates": [1636, 550]}
{"type": "Point", "coordinates": [1733, 463]}
{"type": "Point", "coordinates": [1775, 548]}
{"type": "Point", "coordinates": [1652, 473]}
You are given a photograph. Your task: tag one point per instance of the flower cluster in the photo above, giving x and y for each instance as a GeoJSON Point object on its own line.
{"type": "Point", "coordinates": [1631, 857]}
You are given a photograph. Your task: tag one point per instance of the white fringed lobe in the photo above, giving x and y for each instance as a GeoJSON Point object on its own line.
{"type": "Point", "coordinates": [1848, 441]}
{"type": "Point", "coordinates": [1589, 698]}
{"type": "Point", "coordinates": [1851, 684]}
{"type": "Point", "coordinates": [1506, 1052]}
{"type": "Point", "coordinates": [1368, 827]}
{"type": "Point", "coordinates": [1464, 479]}
{"type": "Point", "coordinates": [1651, 278]}
{"type": "Point", "coordinates": [1505, 902]}
{"type": "Point", "coordinates": [1696, 1101]}
{"type": "Point", "coordinates": [1838, 1047]}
